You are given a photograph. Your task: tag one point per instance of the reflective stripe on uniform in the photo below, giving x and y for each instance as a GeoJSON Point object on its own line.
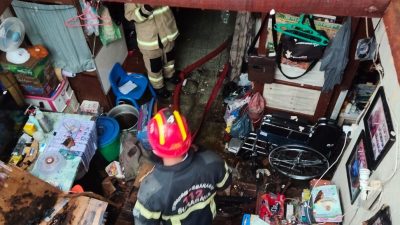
{"type": "Point", "coordinates": [160, 10]}
{"type": "Point", "coordinates": [155, 43]}
{"type": "Point", "coordinates": [145, 212]}
{"type": "Point", "coordinates": [222, 183]}
{"type": "Point", "coordinates": [140, 17]}
{"type": "Point", "coordinates": [155, 79]}
{"type": "Point", "coordinates": [175, 219]}
{"type": "Point", "coordinates": [169, 66]}
{"type": "Point", "coordinates": [213, 208]}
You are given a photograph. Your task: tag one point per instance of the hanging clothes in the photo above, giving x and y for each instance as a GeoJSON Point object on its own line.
{"type": "Point", "coordinates": [44, 25]}
{"type": "Point", "coordinates": [336, 56]}
{"type": "Point", "coordinates": [242, 37]}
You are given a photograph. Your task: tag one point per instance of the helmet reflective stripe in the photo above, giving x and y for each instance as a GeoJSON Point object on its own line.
{"type": "Point", "coordinates": [180, 124]}
{"type": "Point", "coordinates": [160, 125]}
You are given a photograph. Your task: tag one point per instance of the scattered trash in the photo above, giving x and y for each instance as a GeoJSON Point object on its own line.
{"type": "Point", "coordinates": [114, 170]}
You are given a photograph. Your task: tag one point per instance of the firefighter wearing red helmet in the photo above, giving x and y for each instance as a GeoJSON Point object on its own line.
{"type": "Point", "coordinates": [181, 189]}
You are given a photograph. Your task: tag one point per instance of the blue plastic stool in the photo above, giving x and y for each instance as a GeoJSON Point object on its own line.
{"type": "Point", "coordinates": [118, 77]}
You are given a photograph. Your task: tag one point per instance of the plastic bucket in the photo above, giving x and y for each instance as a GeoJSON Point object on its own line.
{"type": "Point", "coordinates": [108, 137]}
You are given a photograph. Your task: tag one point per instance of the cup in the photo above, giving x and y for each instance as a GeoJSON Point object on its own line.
{"type": "Point", "coordinates": [364, 174]}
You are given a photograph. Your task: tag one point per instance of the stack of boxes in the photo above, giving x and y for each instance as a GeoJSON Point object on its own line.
{"type": "Point", "coordinates": [36, 76]}
{"type": "Point", "coordinates": [40, 85]}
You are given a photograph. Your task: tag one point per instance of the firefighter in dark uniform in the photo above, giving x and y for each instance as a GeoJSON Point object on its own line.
{"type": "Point", "coordinates": [181, 190]}
{"type": "Point", "coordinates": [156, 33]}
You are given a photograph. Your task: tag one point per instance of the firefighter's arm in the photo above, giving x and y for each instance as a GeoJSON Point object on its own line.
{"type": "Point", "coordinates": [137, 12]}
{"type": "Point", "coordinates": [224, 176]}
{"type": "Point", "coordinates": [147, 209]}
{"type": "Point", "coordinates": [145, 215]}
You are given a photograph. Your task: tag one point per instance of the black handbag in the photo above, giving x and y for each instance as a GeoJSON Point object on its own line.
{"type": "Point", "coordinates": [298, 50]}
{"type": "Point", "coordinates": [260, 68]}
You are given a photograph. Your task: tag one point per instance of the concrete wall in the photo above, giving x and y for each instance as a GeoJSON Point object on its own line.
{"type": "Point", "coordinates": [355, 214]}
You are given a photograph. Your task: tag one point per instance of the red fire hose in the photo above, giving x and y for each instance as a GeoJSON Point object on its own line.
{"type": "Point", "coordinates": [214, 93]}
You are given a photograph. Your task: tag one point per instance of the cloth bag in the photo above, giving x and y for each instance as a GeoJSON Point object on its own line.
{"type": "Point", "coordinates": [109, 32]}
{"type": "Point", "coordinates": [261, 68]}
{"type": "Point", "coordinates": [297, 50]}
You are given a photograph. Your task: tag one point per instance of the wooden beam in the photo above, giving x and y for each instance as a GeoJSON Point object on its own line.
{"type": "Point", "coordinates": [391, 20]}
{"type": "Point", "coordinates": [359, 8]}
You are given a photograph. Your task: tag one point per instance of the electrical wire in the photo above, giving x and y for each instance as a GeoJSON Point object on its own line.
{"type": "Point", "coordinates": [334, 163]}
{"type": "Point", "coordinates": [396, 164]}
{"type": "Point", "coordinates": [380, 70]}
{"type": "Point", "coordinates": [337, 159]}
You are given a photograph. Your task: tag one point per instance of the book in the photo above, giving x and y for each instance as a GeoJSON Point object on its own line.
{"type": "Point", "coordinates": [326, 204]}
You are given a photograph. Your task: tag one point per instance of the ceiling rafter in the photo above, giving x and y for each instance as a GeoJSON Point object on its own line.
{"type": "Point", "coordinates": [358, 8]}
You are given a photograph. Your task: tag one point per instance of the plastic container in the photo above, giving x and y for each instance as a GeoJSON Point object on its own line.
{"type": "Point", "coordinates": [127, 117]}
{"type": "Point", "coordinates": [108, 138]}
{"type": "Point", "coordinates": [44, 122]}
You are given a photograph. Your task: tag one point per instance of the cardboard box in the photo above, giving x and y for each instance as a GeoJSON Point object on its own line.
{"type": "Point", "coordinates": [56, 103]}
{"type": "Point", "coordinates": [42, 77]}
{"type": "Point", "coordinates": [42, 90]}
{"type": "Point", "coordinates": [33, 67]}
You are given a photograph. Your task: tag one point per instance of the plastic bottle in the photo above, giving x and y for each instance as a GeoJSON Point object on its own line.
{"type": "Point", "coordinates": [43, 121]}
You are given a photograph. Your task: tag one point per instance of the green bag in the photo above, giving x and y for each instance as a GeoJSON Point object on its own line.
{"type": "Point", "coordinates": [109, 31]}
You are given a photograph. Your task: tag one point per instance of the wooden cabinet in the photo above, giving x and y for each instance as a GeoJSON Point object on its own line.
{"type": "Point", "coordinates": [87, 87]}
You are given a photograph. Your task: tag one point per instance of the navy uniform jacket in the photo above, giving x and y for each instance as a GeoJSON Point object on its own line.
{"type": "Point", "coordinates": [182, 194]}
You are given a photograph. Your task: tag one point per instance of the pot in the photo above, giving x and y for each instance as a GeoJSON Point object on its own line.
{"type": "Point", "coordinates": [126, 115]}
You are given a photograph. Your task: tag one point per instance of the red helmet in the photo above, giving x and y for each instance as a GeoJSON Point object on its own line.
{"type": "Point", "coordinates": [168, 134]}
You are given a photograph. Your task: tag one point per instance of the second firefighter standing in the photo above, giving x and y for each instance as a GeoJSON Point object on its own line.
{"type": "Point", "coordinates": [156, 33]}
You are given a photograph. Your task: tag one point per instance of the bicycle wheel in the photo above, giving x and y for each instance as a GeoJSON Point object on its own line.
{"type": "Point", "coordinates": [298, 161]}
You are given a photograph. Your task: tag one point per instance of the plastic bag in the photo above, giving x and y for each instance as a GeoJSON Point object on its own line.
{"type": "Point", "coordinates": [109, 32]}
{"type": "Point", "coordinates": [91, 24]}
{"type": "Point", "coordinates": [241, 127]}
{"type": "Point", "coordinates": [256, 107]}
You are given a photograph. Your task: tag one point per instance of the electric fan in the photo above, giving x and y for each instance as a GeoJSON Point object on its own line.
{"type": "Point", "coordinates": [12, 33]}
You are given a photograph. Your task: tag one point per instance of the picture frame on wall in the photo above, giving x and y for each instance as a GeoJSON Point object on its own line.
{"type": "Point", "coordinates": [382, 217]}
{"type": "Point", "coordinates": [379, 129]}
{"type": "Point", "coordinates": [356, 161]}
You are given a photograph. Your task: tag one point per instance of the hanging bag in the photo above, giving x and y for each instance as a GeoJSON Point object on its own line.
{"type": "Point", "coordinates": [256, 107]}
{"type": "Point", "coordinates": [261, 68]}
{"type": "Point", "coordinates": [299, 46]}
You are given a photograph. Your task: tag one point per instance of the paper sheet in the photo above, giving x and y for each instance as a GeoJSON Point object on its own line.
{"type": "Point", "coordinates": [127, 87]}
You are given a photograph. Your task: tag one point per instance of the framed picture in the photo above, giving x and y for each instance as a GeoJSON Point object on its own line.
{"type": "Point", "coordinates": [382, 217]}
{"type": "Point", "coordinates": [379, 129]}
{"type": "Point", "coordinates": [356, 161]}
